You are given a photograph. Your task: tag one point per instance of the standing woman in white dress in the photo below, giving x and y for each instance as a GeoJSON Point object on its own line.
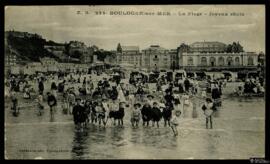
{"type": "Point", "coordinates": [187, 106]}
{"type": "Point", "coordinates": [121, 96]}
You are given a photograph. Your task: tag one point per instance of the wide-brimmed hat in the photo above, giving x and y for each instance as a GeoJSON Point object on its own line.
{"type": "Point", "coordinates": [178, 111]}
{"type": "Point", "coordinates": [137, 104]}
{"type": "Point", "coordinates": [162, 105]}
{"type": "Point", "coordinates": [150, 96]}
{"type": "Point", "coordinates": [208, 99]}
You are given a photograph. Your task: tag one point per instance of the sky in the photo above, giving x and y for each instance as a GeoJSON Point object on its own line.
{"type": "Point", "coordinates": [63, 24]}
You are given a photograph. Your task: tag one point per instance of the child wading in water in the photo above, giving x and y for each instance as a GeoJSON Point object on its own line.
{"type": "Point", "coordinates": [208, 109]}
{"type": "Point", "coordinates": [135, 115]}
{"type": "Point", "coordinates": [156, 114]}
{"type": "Point", "coordinates": [175, 121]}
{"type": "Point", "coordinates": [40, 104]}
{"type": "Point", "coordinates": [100, 111]}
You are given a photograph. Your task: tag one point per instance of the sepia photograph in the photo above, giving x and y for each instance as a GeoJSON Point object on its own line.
{"type": "Point", "coordinates": [134, 82]}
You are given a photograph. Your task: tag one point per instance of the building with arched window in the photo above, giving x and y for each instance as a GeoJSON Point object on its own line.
{"type": "Point", "coordinates": [212, 61]}
{"type": "Point", "coordinates": [157, 58]}
{"type": "Point", "coordinates": [229, 61]}
{"type": "Point", "coordinates": [213, 55]}
{"type": "Point", "coordinates": [219, 60]}
{"type": "Point", "coordinates": [203, 61]}
{"type": "Point", "coordinates": [190, 61]}
{"type": "Point", "coordinates": [237, 61]}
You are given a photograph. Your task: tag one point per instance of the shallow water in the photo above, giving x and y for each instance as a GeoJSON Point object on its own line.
{"type": "Point", "coordinates": [238, 133]}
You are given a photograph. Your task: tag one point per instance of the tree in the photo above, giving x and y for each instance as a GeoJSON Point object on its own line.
{"type": "Point", "coordinates": [102, 55]}
{"type": "Point", "coordinates": [119, 48]}
{"type": "Point", "coordinates": [67, 48]}
{"type": "Point", "coordinates": [239, 47]}
{"type": "Point", "coordinates": [229, 48]}
{"type": "Point", "coordinates": [234, 47]}
{"type": "Point", "coordinates": [76, 54]}
{"type": "Point", "coordinates": [183, 48]}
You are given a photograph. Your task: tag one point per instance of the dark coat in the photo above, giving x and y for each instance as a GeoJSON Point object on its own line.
{"type": "Point", "coordinates": [52, 101]}
{"type": "Point", "coordinates": [41, 86]}
{"type": "Point", "coordinates": [78, 114]}
{"type": "Point", "coordinates": [168, 98]}
{"type": "Point", "coordinates": [167, 113]}
{"type": "Point", "coordinates": [119, 114]}
{"type": "Point", "coordinates": [53, 86]}
{"type": "Point", "coordinates": [146, 113]}
{"type": "Point", "coordinates": [187, 84]}
{"type": "Point", "coordinates": [215, 93]}
{"type": "Point", "coordinates": [156, 114]}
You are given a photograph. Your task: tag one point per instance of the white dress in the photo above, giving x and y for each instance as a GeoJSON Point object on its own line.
{"type": "Point", "coordinates": [179, 107]}
{"type": "Point", "coordinates": [7, 91]}
{"type": "Point", "coordinates": [121, 96]}
{"type": "Point", "coordinates": [175, 120]}
{"type": "Point", "coordinates": [208, 111]}
{"type": "Point", "coordinates": [203, 94]}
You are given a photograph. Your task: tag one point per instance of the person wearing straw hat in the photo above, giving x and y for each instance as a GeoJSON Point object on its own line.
{"type": "Point", "coordinates": [135, 115]}
{"type": "Point", "coordinates": [150, 99]}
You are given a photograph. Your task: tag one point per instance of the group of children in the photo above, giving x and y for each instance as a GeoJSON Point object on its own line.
{"type": "Point", "coordinates": [113, 107]}
{"type": "Point", "coordinates": [100, 112]}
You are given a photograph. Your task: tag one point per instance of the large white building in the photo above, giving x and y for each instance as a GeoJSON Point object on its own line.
{"type": "Point", "coordinates": [129, 56]}
{"type": "Point", "coordinates": [197, 59]}
{"type": "Point", "coordinates": [213, 55]}
{"type": "Point", "coordinates": [156, 58]}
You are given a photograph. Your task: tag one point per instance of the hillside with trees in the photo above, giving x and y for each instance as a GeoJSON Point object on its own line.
{"type": "Point", "coordinates": [30, 48]}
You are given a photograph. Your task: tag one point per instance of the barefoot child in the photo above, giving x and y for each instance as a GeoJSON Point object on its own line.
{"type": "Point", "coordinates": [156, 114]}
{"type": "Point", "coordinates": [135, 115]}
{"type": "Point", "coordinates": [101, 112]}
{"type": "Point", "coordinates": [175, 121]}
{"type": "Point", "coordinates": [146, 112]}
{"type": "Point", "coordinates": [208, 111]}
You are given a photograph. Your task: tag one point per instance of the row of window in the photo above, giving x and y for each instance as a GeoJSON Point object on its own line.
{"type": "Point", "coordinates": [129, 58]}
{"type": "Point", "coordinates": [220, 62]}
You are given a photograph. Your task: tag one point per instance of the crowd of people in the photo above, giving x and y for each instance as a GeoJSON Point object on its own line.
{"type": "Point", "coordinates": [251, 86]}
{"type": "Point", "coordinates": [92, 101]}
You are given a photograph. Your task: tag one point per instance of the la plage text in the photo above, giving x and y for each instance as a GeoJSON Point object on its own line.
{"type": "Point", "coordinates": [159, 13]}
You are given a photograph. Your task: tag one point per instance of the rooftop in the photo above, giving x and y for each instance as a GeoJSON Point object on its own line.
{"type": "Point", "coordinates": [155, 47]}
{"type": "Point", "coordinates": [130, 48]}
{"type": "Point", "coordinates": [208, 43]}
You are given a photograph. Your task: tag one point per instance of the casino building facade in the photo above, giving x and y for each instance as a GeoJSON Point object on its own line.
{"type": "Point", "coordinates": [213, 55]}
{"type": "Point", "coordinates": [196, 56]}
